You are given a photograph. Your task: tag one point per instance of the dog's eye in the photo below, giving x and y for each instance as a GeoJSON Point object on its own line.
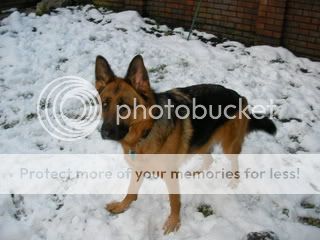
{"type": "Point", "coordinates": [123, 111]}
{"type": "Point", "coordinates": [105, 106]}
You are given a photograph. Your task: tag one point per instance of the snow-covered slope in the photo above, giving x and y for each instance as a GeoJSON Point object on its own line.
{"type": "Point", "coordinates": [35, 50]}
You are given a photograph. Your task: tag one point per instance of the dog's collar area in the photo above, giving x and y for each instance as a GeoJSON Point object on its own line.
{"type": "Point", "coordinates": [145, 134]}
{"type": "Point", "coordinates": [132, 154]}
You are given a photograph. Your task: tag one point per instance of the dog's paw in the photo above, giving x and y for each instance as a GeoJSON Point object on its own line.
{"type": "Point", "coordinates": [172, 224]}
{"type": "Point", "coordinates": [116, 207]}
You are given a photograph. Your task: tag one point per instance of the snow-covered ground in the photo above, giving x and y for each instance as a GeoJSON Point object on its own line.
{"type": "Point", "coordinates": [35, 50]}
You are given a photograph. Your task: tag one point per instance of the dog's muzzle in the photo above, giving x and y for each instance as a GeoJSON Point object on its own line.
{"type": "Point", "coordinates": [113, 131]}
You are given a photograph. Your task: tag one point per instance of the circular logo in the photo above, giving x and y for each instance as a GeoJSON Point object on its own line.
{"type": "Point", "coordinates": [69, 108]}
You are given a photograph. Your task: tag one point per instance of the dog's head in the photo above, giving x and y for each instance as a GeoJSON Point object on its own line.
{"type": "Point", "coordinates": [118, 96]}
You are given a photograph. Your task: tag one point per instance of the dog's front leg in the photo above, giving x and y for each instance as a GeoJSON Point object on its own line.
{"type": "Point", "coordinates": [132, 195]}
{"type": "Point", "coordinates": [173, 221]}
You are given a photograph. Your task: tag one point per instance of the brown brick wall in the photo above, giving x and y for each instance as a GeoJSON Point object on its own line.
{"type": "Point", "coordinates": [269, 22]}
{"type": "Point", "coordinates": [294, 24]}
{"type": "Point", "coordinates": [112, 4]}
{"type": "Point", "coordinates": [301, 32]}
{"type": "Point", "coordinates": [6, 4]}
{"type": "Point", "coordinates": [174, 12]}
{"type": "Point", "coordinates": [234, 19]}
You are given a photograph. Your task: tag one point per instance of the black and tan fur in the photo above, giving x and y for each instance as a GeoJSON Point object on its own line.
{"type": "Point", "coordinates": [145, 135]}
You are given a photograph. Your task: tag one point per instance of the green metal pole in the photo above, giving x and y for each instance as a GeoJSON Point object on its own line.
{"type": "Point", "coordinates": [195, 15]}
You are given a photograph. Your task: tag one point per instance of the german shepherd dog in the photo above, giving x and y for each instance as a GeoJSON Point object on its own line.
{"type": "Point", "coordinates": [145, 135]}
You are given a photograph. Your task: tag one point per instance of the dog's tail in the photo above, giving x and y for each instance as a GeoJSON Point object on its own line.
{"type": "Point", "coordinates": [259, 122]}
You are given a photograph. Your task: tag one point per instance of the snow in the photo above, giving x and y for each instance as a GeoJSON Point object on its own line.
{"type": "Point", "coordinates": [35, 50]}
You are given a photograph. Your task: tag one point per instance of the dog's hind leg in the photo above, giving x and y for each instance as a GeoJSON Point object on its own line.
{"type": "Point", "coordinates": [132, 195]}
{"type": "Point", "coordinates": [231, 136]}
{"type": "Point", "coordinates": [233, 149]}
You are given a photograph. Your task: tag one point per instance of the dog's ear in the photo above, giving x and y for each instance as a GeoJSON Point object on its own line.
{"type": "Point", "coordinates": [104, 73]}
{"type": "Point", "coordinates": [137, 75]}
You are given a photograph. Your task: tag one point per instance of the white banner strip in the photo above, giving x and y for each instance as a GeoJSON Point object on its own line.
{"type": "Point", "coordinates": [185, 174]}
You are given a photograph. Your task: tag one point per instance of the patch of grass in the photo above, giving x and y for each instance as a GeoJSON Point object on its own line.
{"type": "Point", "coordinates": [157, 32]}
{"type": "Point", "coordinates": [264, 235]}
{"type": "Point", "coordinates": [310, 221]}
{"type": "Point", "coordinates": [285, 211]}
{"type": "Point", "coordinates": [41, 146]}
{"type": "Point", "coordinates": [31, 116]}
{"type": "Point", "coordinates": [168, 33]}
{"type": "Point", "coordinates": [150, 21]}
{"type": "Point", "coordinates": [45, 104]}
{"type": "Point", "coordinates": [62, 60]}
{"type": "Point", "coordinates": [94, 20]}
{"type": "Point", "coordinates": [10, 125]}
{"type": "Point", "coordinates": [121, 29]}
{"type": "Point", "coordinates": [307, 205]}
{"type": "Point", "coordinates": [18, 202]}
{"type": "Point", "coordinates": [206, 210]}
{"type": "Point", "coordinates": [277, 60]}
{"type": "Point", "coordinates": [304, 70]}
{"type": "Point", "coordinates": [158, 72]}
{"type": "Point", "coordinates": [158, 68]}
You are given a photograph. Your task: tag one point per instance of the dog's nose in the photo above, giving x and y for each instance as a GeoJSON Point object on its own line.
{"type": "Point", "coordinates": [106, 130]}
{"type": "Point", "coordinates": [104, 133]}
